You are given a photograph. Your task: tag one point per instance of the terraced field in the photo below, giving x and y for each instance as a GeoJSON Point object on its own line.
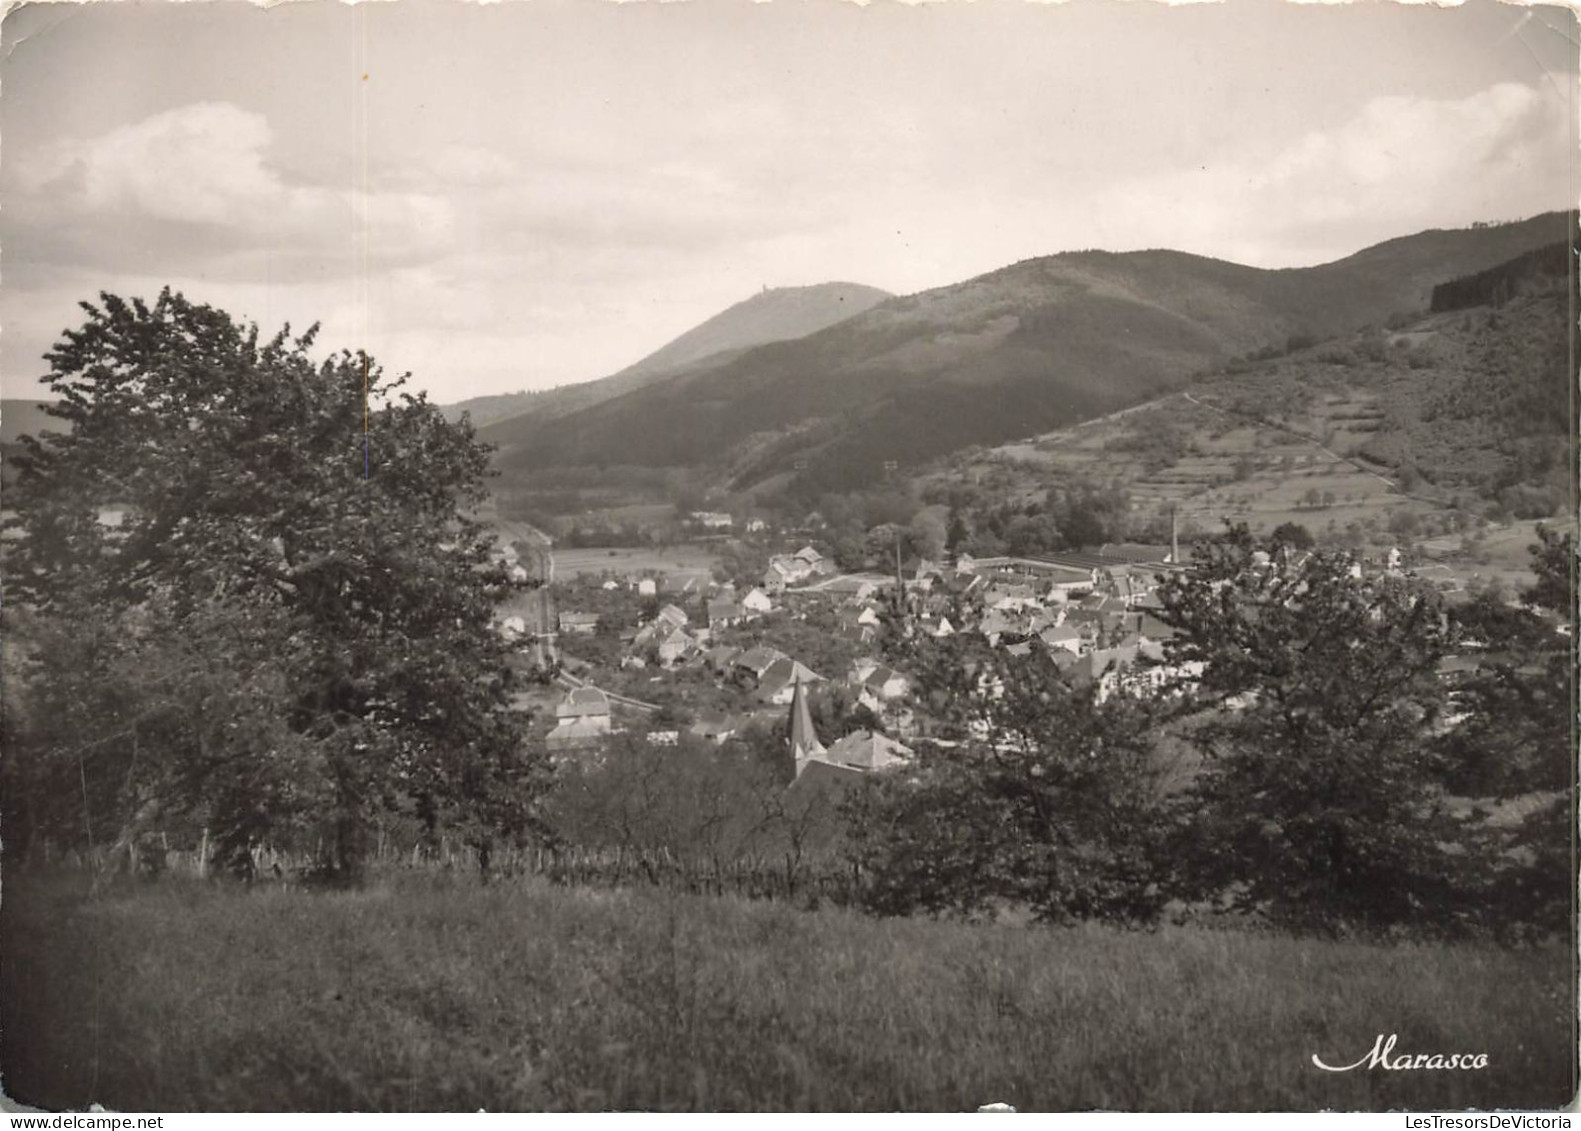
{"type": "Point", "coordinates": [1305, 468]}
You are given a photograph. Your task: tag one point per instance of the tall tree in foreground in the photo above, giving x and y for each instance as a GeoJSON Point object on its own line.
{"type": "Point", "coordinates": [287, 633]}
{"type": "Point", "coordinates": [1320, 802]}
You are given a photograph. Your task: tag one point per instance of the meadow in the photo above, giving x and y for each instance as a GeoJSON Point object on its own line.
{"type": "Point", "coordinates": [679, 560]}
{"type": "Point", "coordinates": [429, 991]}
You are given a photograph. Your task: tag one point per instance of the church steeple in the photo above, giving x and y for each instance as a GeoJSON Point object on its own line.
{"type": "Point", "coordinates": [803, 738]}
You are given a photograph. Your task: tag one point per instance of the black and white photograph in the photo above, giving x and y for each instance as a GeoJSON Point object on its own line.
{"type": "Point", "coordinates": [564, 556]}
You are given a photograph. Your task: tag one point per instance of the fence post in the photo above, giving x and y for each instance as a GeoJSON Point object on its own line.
{"type": "Point", "coordinates": [203, 854]}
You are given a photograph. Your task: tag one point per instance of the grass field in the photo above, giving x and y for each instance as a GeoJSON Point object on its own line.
{"type": "Point", "coordinates": [429, 992]}
{"type": "Point", "coordinates": [683, 560]}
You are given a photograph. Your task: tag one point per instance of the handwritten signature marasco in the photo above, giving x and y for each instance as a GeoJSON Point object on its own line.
{"type": "Point", "coordinates": [1381, 1056]}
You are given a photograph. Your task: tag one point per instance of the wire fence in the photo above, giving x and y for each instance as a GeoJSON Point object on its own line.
{"type": "Point", "coordinates": [790, 877]}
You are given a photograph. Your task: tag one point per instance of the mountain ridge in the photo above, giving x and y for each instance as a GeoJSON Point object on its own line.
{"type": "Point", "coordinates": [1031, 346]}
{"type": "Point", "coordinates": [773, 314]}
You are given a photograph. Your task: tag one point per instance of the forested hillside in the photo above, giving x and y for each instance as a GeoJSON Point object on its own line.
{"type": "Point", "coordinates": [1037, 345]}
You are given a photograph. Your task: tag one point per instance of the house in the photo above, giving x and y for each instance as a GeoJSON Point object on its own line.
{"type": "Point", "coordinates": [675, 646]}
{"type": "Point", "coordinates": [712, 520]}
{"type": "Point", "coordinates": [669, 620]}
{"type": "Point", "coordinates": [1063, 592]}
{"type": "Point", "coordinates": [780, 573]}
{"type": "Point", "coordinates": [885, 683]}
{"type": "Point", "coordinates": [1133, 670]}
{"type": "Point", "coordinates": [673, 615]}
{"type": "Point", "coordinates": [1064, 637]}
{"type": "Point", "coordinates": [663, 737]}
{"type": "Point", "coordinates": [717, 726]}
{"type": "Point", "coordinates": [881, 689]}
{"type": "Point", "coordinates": [721, 657]}
{"type": "Point", "coordinates": [647, 587]}
{"type": "Point", "coordinates": [756, 661]}
{"type": "Point", "coordinates": [582, 720]}
{"type": "Point", "coordinates": [756, 603]}
{"type": "Point", "coordinates": [861, 669]}
{"type": "Point", "coordinates": [1039, 618]}
{"type": "Point", "coordinates": [790, 569]}
{"type": "Point", "coordinates": [997, 624]}
{"type": "Point", "coordinates": [1065, 661]}
{"type": "Point", "coordinates": [756, 526]}
{"type": "Point", "coordinates": [723, 612]}
{"type": "Point", "coordinates": [782, 678]}
{"type": "Point", "coordinates": [866, 750]}
{"type": "Point", "coordinates": [1010, 598]}
{"type": "Point", "coordinates": [578, 624]}
{"type": "Point", "coordinates": [682, 584]}
{"type": "Point", "coordinates": [586, 702]}
{"type": "Point", "coordinates": [868, 616]}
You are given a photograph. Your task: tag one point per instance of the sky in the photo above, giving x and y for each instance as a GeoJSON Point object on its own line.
{"type": "Point", "coordinates": [525, 194]}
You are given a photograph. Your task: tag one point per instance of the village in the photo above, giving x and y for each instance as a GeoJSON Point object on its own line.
{"type": "Point", "coordinates": [795, 650]}
{"type": "Point", "coordinates": [667, 655]}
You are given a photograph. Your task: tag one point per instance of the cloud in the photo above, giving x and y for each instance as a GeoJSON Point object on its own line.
{"type": "Point", "coordinates": [1501, 153]}
{"type": "Point", "coordinates": [194, 187]}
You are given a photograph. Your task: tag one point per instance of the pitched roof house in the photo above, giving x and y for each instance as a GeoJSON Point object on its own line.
{"type": "Point", "coordinates": [675, 646]}
{"type": "Point", "coordinates": [867, 750]}
{"type": "Point", "coordinates": [582, 720]}
{"type": "Point", "coordinates": [886, 683]}
{"type": "Point", "coordinates": [721, 657]}
{"type": "Point", "coordinates": [1062, 636]}
{"type": "Point", "coordinates": [757, 660]}
{"type": "Point", "coordinates": [579, 623]}
{"type": "Point", "coordinates": [716, 726]}
{"type": "Point", "coordinates": [723, 612]}
{"type": "Point", "coordinates": [583, 702]}
{"type": "Point", "coordinates": [782, 572]}
{"type": "Point", "coordinates": [782, 678]}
